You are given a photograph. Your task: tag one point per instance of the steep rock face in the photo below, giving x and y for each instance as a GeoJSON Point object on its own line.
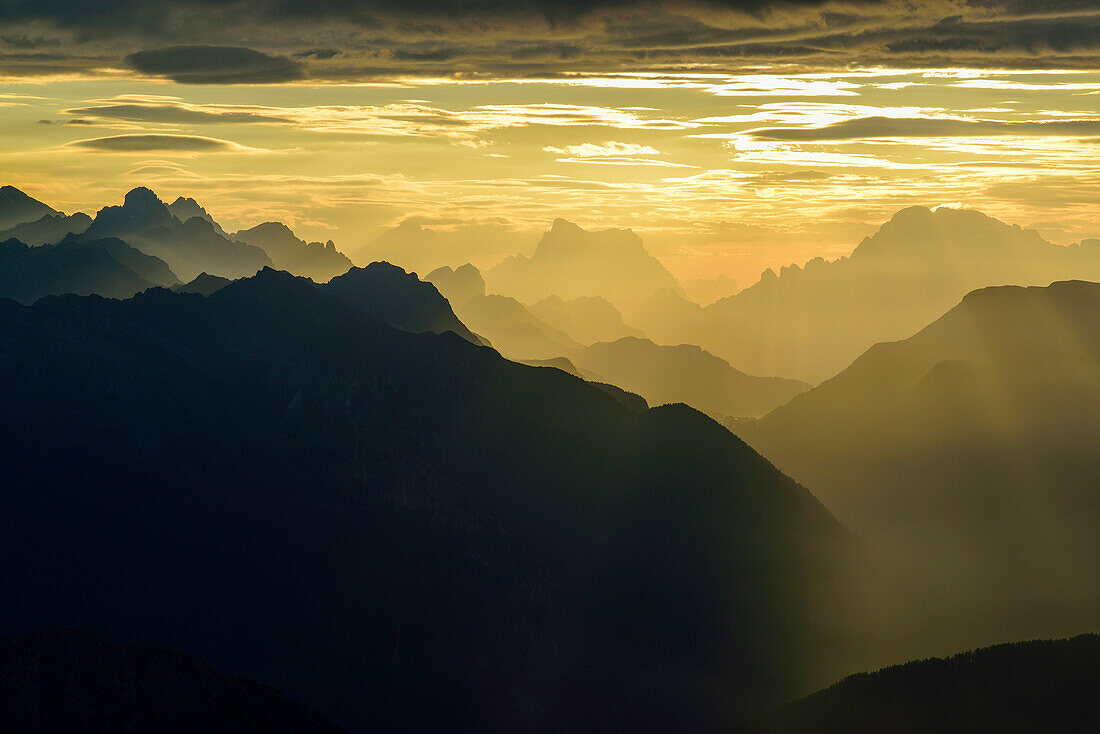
{"type": "Point", "coordinates": [17, 208]}
{"type": "Point", "coordinates": [570, 262]}
{"type": "Point", "coordinates": [189, 247]}
{"type": "Point", "coordinates": [67, 680]}
{"type": "Point", "coordinates": [967, 452]}
{"type": "Point", "coordinates": [810, 322]}
{"type": "Point", "coordinates": [316, 260]}
{"type": "Point", "coordinates": [403, 530]}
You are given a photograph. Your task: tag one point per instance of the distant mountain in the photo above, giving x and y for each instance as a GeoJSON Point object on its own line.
{"type": "Point", "coordinates": [458, 285]}
{"type": "Point", "coordinates": [421, 249]}
{"type": "Point", "coordinates": [17, 208]}
{"type": "Point", "coordinates": [706, 291]}
{"type": "Point", "coordinates": [316, 260]}
{"type": "Point", "coordinates": [587, 320]}
{"type": "Point", "coordinates": [1023, 687]}
{"type": "Point", "coordinates": [403, 530]}
{"type": "Point", "coordinates": [512, 329]}
{"type": "Point", "coordinates": [810, 322]}
{"type": "Point", "coordinates": [185, 208]}
{"type": "Point", "coordinates": [204, 284]}
{"type": "Point", "coordinates": [570, 262]}
{"type": "Point", "coordinates": [684, 374]}
{"type": "Point", "coordinates": [189, 248]}
{"type": "Point", "coordinates": [409, 246]}
{"type": "Point", "coordinates": [59, 680]}
{"type": "Point", "coordinates": [49, 229]}
{"type": "Point", "coordinates": [29, 273]}
{"type": "Point", "coordinates": [968, 451]}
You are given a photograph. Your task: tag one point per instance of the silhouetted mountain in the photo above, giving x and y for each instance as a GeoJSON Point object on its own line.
{"type": "Point", "coordinates": [685, 374]}
{"type": "Point", "coordinates": [205, 284]}
{"type": "Point", "coordinates": [586, 320]}
{"type": "Point", "coordinates": [50, 228]}
{"type": "Point", "coordinates": [152, 269]}
{"type": "Point", "coordinates": [458, 285]}
{"type": "Point", "coordinates": [316, 260]}
{"type": "Point", "coordinates": [810, 322]}
{"type": "Point", "coordinates": [384, 292]}
{"type": "Point", "coordinates": [968, 452]}
{"type": "Point", "coordinates": [1037, 686]}
{"type": "Point", "coordinates": [17, 208]}
{"type": "Point", "coordinates": [570, 262]}
{"type": "Point", "coordinates": [404, 530]}
{"type": "Point", "coordinates": [706, 291]}
{"type": "Point", "coordinates": [559, 363]}
{"type": "Point", "coordinates": [185, 208]}
{"type": "Point", "coordinates": [29, 273]}
{"type": "Point", "coordinates": [189, 248]}
{"type": "Point", "coordinates": [63, 680]}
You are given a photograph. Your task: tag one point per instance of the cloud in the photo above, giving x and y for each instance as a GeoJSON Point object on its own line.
{"type": "Point", "coordinates": [343, 40]}
{"type": "Point", "coordinates": [174, 114]}
{"type": "Point", "coordinates": [923, 127]}
{"type": "Point", "coordinates": [216, 65]}
{"type": "Point", "coordinates": [609, 149]}
{"type": "Point", "coordinates": [145, 143]}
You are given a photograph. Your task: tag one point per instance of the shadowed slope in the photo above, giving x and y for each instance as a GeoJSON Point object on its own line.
{"type": "Point", "coordinates": [65, 680]}
{"type": "Point", "coordinates": [967, 453]}
{"type": "Point", "coordinates": [49, 229]}
{"type": "Point", "coordinates": [1037, 686]}
{"type": "Point", "coordinates": [29, 273]}
{"type": "Point", "coordinates": [404, 530]}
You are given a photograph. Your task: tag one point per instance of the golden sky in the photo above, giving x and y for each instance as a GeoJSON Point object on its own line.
{"type": "Point", "coordinates": [733, 136]}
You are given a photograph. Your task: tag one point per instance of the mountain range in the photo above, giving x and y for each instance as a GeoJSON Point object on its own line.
{"type": "Point", "coordinates": [810, 322]}
{"type": "Point", "coordinates": [403, 530]}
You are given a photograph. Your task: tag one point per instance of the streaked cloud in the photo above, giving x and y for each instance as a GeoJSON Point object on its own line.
{"type": "Point", "coordinates": [146, 143]}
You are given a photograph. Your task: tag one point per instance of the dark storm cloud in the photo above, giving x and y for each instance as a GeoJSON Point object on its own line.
{"type": "Point", "coordinates": [142, 143]}
{"type": "Point", "coordinates": [350, 39]}
{"type": "Point", "coordinates": [216, 65]}
{"type": "Point", "coordinates": [175, 114]}
{"type": "Point", "coordinates": [921, 127]}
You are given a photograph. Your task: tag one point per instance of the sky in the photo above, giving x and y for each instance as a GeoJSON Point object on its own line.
{"type": "Point", "coordinates": [733, 135]}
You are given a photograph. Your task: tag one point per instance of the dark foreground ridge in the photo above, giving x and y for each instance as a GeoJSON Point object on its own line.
{"type": "Point", "coordinates": [1037, 686]}
{"type": "Point", "coordinates": [404, 531]}
{"type": "Point", "coordinates": [64, 680]}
